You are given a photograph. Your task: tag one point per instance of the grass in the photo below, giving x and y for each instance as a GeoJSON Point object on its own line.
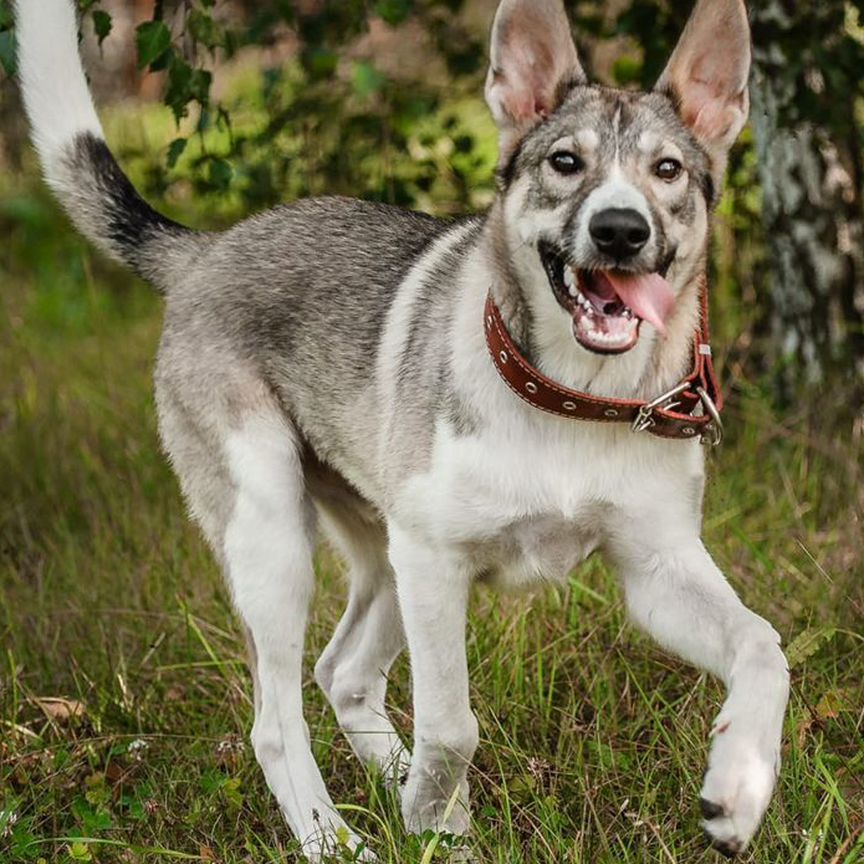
{"type": "Point", "coordinates": [593, 742]}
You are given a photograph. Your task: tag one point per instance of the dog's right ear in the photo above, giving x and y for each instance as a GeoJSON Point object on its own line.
{"type": "Point", "coordinates": [534, 64]}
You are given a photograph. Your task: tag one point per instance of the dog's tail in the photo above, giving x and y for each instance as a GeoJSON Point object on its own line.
{"type": "Point", "coordinates": [76, 161]}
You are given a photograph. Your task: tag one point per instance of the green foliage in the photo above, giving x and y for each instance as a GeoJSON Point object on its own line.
{"type": "Point", "coordinates": [7, 51]}
{"type": "Point", "coordinates": [175, 151]}
{"type": "Point", "coordinates": [185, 85]}
{"type": "Point", "coordinates": [7, 38]}
{"type": "Point", "coordinates": [394, 12]}
{"type": "Point", "coordinates": [204, 30]}
{"type": "Point", "coordinates": [153, 39]}
{"type": "Point", "coordinates": [816, 51]}
{"type": "Point", "coordinates": [655, 26]}
{"type": "Point", "coordinates": [365, 105]}
{"type": "Point", "coordinates": [102, 24]}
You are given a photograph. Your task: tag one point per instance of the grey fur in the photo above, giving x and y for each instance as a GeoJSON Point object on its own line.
{"type": "Point", "coordinates": [105, 206]}
{"type": "Point", "coordinates": [297, 296]}
{"type": "Point", "coordinates": [289, 304]}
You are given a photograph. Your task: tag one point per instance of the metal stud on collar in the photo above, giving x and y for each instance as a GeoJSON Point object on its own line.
{"type": "Point", "coordinates": [664, 417]}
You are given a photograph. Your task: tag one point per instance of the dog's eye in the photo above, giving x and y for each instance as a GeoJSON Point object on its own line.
{"type": "Point", "coordinates": [565, 162]}
{"type": "Point", "coordinates": [668, 169]}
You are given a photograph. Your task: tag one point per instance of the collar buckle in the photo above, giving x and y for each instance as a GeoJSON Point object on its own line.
{"type": "Point", "coordinates": [645, 418]}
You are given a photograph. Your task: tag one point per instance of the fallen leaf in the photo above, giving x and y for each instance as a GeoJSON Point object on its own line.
{"type": "Point", "coordinates": [834, 702]}
{"type": "Point", "coordinates": [61, 710]}
{"type": "Point", "coordinates": [805, 727]}
{"type": "Point", "coordinates": [808, 643]}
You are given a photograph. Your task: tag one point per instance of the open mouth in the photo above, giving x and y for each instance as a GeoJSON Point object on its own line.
{"type": "Point", "coordinates": [608, 306]}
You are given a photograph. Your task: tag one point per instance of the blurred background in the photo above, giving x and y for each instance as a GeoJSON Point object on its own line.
{"type": "Point", "coordinates": [111, 606]}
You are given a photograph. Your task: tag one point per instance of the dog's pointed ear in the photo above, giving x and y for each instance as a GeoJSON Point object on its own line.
{"type": "Point", "coordinates": [533, 64]}
{"type": "Point", "coordinates": [708, 74]}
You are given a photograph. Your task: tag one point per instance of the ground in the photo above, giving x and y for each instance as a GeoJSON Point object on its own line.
{"type": "Point", "coordinates": [124, 699]}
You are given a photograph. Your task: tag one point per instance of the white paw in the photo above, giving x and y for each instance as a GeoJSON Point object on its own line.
{"type": "Point", "coordinates": [425, 808]}
{"type": "Point", "coordinates": [737, 789]}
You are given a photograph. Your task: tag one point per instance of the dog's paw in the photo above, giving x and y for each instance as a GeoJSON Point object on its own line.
{"type": "Point", "coordinates": [425, 808]}
{"type": "Point", "coordinates": [736, 793]}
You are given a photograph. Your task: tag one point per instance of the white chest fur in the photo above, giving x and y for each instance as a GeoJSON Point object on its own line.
{"type": "Point", "coordinates": [528, 499]}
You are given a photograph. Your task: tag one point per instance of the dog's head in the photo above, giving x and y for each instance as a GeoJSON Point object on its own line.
{"type": "Point", "coordinates": [606, 194]}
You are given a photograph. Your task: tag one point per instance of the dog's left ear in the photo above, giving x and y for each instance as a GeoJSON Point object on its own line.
{"type": "Point", "coordinates": [708, 74]}
{"type": "Point", "coordinates": [534, 64]}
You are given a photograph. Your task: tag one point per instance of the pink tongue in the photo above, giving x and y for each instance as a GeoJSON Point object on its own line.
{"type": "Point", "coordinates": [649, 296]}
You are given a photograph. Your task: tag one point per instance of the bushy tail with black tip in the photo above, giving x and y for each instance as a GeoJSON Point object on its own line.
{"type": "Point", "coordinates": [76, 161]}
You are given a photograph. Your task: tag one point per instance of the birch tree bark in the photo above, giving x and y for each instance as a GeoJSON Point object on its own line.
{"type": "Point", "coordinates": [804, 94]}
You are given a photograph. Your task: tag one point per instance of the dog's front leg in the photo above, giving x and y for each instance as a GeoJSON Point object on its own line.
{"type": "Point", "coordinates": [677, 594]}
{"type": "Point", "coordinates": [433, 586]}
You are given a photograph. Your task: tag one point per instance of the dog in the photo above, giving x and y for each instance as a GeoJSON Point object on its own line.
{"type": "Point", "coordinates": [494, 398]}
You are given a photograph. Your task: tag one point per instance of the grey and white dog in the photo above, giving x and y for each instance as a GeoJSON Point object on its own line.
{"type": "Point", "coordinates": [324, 364]}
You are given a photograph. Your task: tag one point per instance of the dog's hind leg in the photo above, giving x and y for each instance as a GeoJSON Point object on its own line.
{"type": "Point", "coordinates": [353, 669]}
{"type": "Point", "coordinates": [266, 549]}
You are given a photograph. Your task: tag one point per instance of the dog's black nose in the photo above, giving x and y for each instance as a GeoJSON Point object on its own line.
{"type": "Point", "coordinates": [619, 233]}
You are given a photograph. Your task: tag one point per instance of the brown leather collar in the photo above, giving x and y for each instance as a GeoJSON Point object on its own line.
{"type": "Point", "coordinates": [671, 415]}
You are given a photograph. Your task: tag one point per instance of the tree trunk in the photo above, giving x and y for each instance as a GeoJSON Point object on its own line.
{"type": "Point", "coordinates": [810, 173]}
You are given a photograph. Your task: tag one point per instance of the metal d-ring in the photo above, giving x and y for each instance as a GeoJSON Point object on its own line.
{"type": "Point", "coordinates": [715, 427]}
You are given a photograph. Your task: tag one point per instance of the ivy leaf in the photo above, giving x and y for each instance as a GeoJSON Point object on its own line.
{"type": "Point", "coordinates": [175, 151]}
{"type": "Point", "coordinates": [102, 24]}
{"type": "Point", "coordinates": [153, 39]}
{"type": "Point", "coordinates": [7, 51]}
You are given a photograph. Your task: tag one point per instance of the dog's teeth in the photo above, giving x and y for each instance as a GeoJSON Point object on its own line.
{"type": "Point", "coordinates": [573, 290]}
{"type": "Point", "coordinates": [569, 279]}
